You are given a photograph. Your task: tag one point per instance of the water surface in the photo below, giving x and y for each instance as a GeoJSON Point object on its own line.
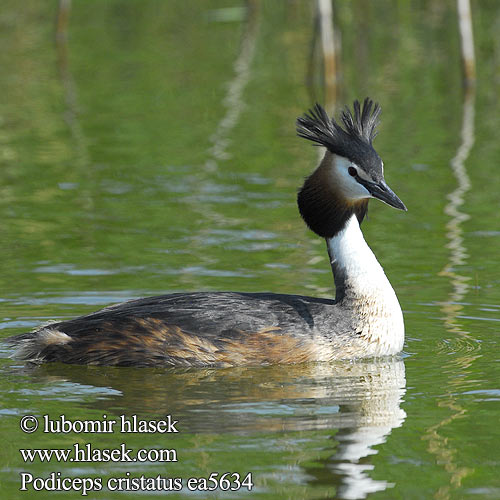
{"type": "Point", "coordinates": [152, 149]}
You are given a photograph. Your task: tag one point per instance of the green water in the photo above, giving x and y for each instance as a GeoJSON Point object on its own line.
{"type": "Point", "coordinates": [153, 149]}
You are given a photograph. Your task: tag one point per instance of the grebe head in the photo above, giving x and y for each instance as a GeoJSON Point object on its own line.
{"type": "Point", "coordinates": [350, 173]}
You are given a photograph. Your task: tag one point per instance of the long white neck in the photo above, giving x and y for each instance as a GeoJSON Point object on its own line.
{"type": "Point", "coordinates": [363, 287]}
{"type": "Point", "coordinates": [356, 270]}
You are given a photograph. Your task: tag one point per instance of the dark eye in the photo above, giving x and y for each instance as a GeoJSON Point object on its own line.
{"type": "Point", "coordinates": [352, 171]}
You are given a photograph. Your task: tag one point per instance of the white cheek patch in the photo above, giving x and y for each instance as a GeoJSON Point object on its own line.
{"type": "Point", "coordinates": [348, 186]}
{"type": "Point", "coordinates": [363, 174]}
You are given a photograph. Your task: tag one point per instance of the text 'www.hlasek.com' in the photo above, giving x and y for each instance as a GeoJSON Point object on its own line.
{"type": "Point", "coordinates": [127, 482]}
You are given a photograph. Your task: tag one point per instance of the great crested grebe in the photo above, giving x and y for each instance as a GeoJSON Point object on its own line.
{"type": "Point", "coordinates": [229, 328]}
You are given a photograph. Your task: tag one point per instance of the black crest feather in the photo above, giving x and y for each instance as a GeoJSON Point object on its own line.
{"type": "Point", "coordinates": [359, 128]}
{"type": "Point", "coordinates": [365, 121]}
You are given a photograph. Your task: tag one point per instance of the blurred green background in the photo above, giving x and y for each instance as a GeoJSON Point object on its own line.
{"type": "Point", "coordinates": [149, 147]}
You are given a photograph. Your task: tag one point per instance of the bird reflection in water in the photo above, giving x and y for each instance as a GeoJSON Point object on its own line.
{"type": "Point", "coordinates": [349, 408]}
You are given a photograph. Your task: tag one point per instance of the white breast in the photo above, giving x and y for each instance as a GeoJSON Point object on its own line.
{"type": "Point", "coordinates": [368, 293]}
